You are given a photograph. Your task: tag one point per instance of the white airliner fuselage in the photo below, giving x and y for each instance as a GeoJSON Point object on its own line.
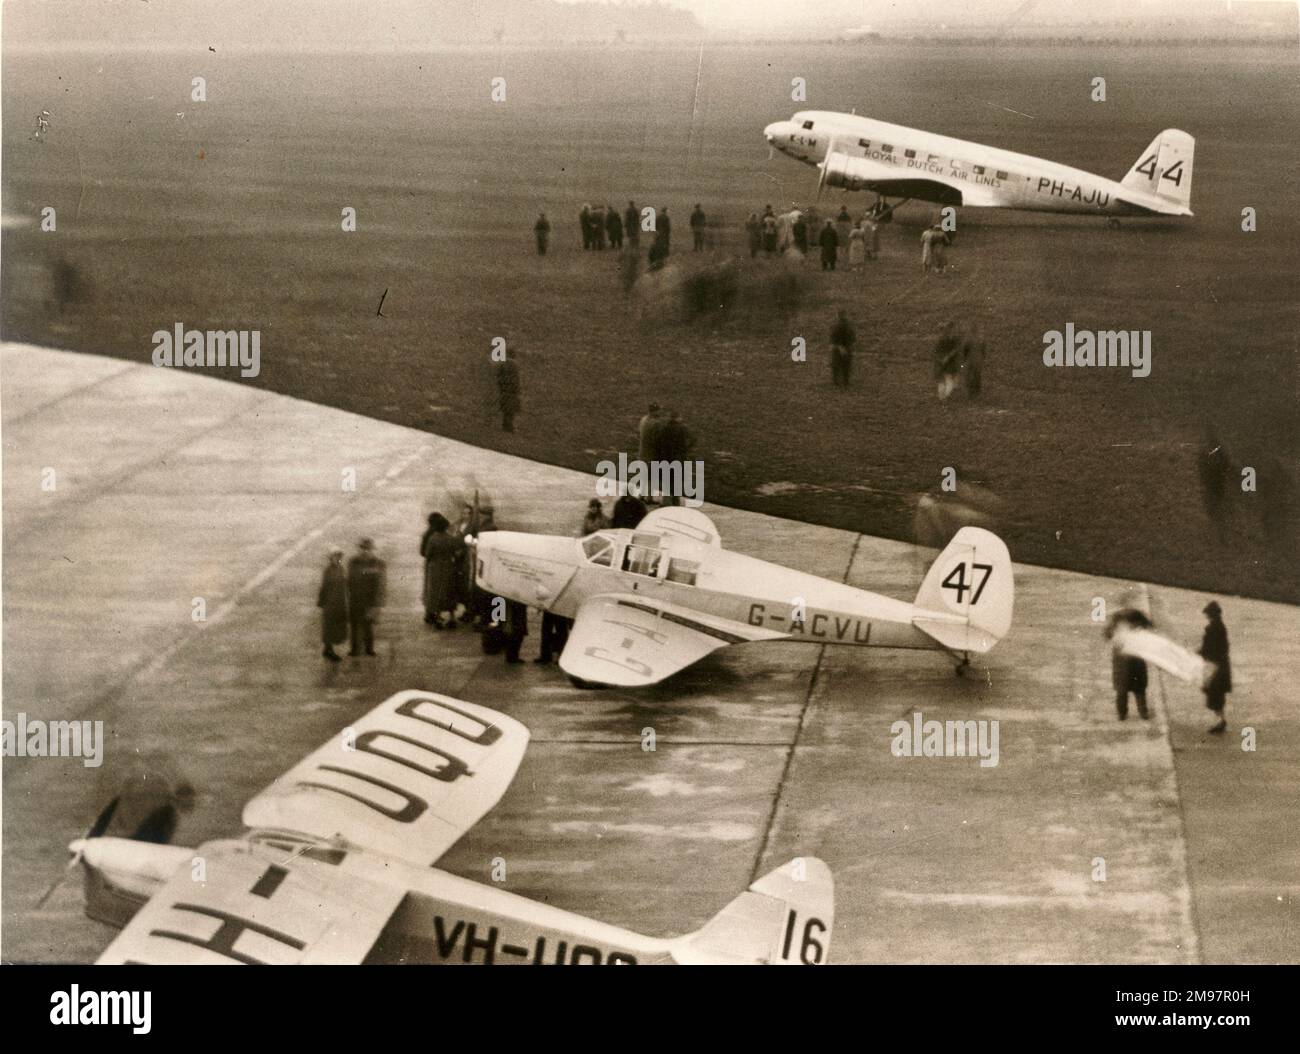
{"type": "Point", "coordinates": [859, 153]}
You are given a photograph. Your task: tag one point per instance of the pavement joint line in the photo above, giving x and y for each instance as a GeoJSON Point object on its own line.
{"type": "Point", "coordinates": [125, 365]}
{"type": "Point", "coordinates": [33, 522]}
{"type": "Point", "coordinates": [150, 667]}
{"type": "Point", "coordinates": [659, 740]}
{"type": "Point", "coordinates": [798, 732]}
{"type": "Point", "coordinates": [1186, 901]}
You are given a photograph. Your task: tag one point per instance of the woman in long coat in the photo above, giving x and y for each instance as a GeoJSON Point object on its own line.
{"type": "Point", "coordinates": [440, 551]}
{"type": "Point", "coordinates": [333, 603]}
{"type": "Point", "coordinates": [857, 247]}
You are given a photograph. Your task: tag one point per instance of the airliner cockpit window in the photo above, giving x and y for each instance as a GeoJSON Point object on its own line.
{"type": "Point", "coordinates": [807, 124]}
{"type": "Point", "coordinates": [598, 549]}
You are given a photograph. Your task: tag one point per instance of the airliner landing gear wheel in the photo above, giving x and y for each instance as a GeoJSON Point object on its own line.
{"type": "Point", "coordinates": [589, 686]}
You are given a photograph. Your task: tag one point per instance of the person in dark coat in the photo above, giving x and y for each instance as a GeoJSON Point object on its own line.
{"type": "Point", "coordinates": [367, 590]}
{"type": "Point", "coordinates": [147, 808]}
{"type": "Point", "coordinates": [800, 230]}
{"type": "Point", "coordinates": [632, 224]}
{"type": "Point", "coordinates": [830, 243]}
{"type": "Point", "coordinates": [753, 234]}
{"type": "Point", "coordinates": [629, 510]}
{"type": "Point", "coordinates": [542, 231]}
{"type": "Point", "coordinates": [1128, 672]}
{"type": "Point", "coordinates": [595, 519]}
{"type": "Point", "coordinates": [555, 635]}
{"type": "Point", "coordinates": [1214, 648]}
{"type": "Point", "coordinates": [1214, 468]}
{"type": "Point", "coordinates": [649, 429]}
{"type": "Point", "coordinates": [598, 227]}
{"type": "Point", "coordinates": [332, 599]}
{"type": "Point", "coordinates": [515, 629]}
{"type": "Point", "coordinates": [584, 219]}
{"type": "Point", "coordinates": [697, 227]}
{"type": "Point", "coordinates": [440, 551]}
{"type": "Point", "coordinates": [947, 360]}
{"type": "Point", "coordinates": [614, 227]}
{"type": "Point", "coordinates": [972, 361]}
{"type": "Point", "coordinates": [509, 391]}
{"type": "Point", "coordinates": [770, 225]}
{"type": "Point", "coordinates": [842, 338]}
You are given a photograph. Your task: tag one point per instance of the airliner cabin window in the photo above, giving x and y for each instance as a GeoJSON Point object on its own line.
{"type": "Point", "coordinates": [979, 170]}
{"type": "Point", "coordinates": [1002, 175]}
{"type": "Point", "coordinates": [887, 148]}
{"type": "Point", "coordinates": [865, 144]}
{"type": "Point", "coordinates": [683, 571]}
{"type": "Point", "coordinates": [807, 124]}
{"type": "Point", "coordinates": [598, 549]}
{"type": "Point", "coordinates": [909, 153]}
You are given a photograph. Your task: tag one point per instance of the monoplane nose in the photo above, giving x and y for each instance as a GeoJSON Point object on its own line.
{"type": "Point", "coordinates": [772, 131]}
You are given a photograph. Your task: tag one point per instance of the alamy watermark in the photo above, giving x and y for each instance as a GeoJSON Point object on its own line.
{"type": "Point", "coordinates": [213, 347]}
{"type": "Point", "coordinates": [53, 739]}
{"type": "Point", "coordinates": [1105, 347]}
{"type": "Point", "coordinates": [676, 479]}
{"type": "Point", "coordinates": [920, 738]}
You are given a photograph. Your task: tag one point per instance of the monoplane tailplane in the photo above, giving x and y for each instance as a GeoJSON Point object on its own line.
{"type": "Point", "coordinates": [966, 600]}
{"type": "Point", "coordinates": [785, 918]}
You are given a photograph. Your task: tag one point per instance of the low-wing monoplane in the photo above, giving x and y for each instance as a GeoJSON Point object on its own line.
{"type": "Point", "coordinates": [649, 601]}
{"type": "Point", "coordinates": [860, 153]}
{"type": "Point", "coordinates": [337, 869]}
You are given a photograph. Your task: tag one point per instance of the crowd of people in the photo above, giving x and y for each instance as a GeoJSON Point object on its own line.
{"type": "Point", "coordinates": [352, 597]}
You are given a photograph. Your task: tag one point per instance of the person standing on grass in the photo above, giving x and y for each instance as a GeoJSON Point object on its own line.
{"type": "Point", "coordinates": [632, 224]}
{"type": "Point", "coordinates": [842, 339]}
{"type": "Point", "coordinates": [830, 243]}
{"type": "Point", "coordinates": [613, 227]}
{"type": "Point", "coordinates": [509, 391]}
{"type": "Point", "coordinates": [542, 232]}
{"type": "Point", "coordinates": [857, 247]}
{"type": "Point", "coordinates": [697, 227]}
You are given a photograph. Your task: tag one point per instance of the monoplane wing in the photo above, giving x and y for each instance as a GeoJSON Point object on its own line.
{"type": "Point", "coordinates": [630, 641]}
{"type": "Point", "coordinates": [241, 903]}
{"type": "Point", "coordinates": [407, 779]}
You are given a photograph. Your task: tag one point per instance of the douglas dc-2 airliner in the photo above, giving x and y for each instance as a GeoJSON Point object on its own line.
{"type": "Point", "coordinates": [337, 869]}
{"type": "Point", "coordinates": [858, 153]}
{"type": "Point", "coordinates": [649, 601]}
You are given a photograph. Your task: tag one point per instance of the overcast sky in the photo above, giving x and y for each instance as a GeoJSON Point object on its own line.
{"type": "Point", "coordinates": [344, 23]}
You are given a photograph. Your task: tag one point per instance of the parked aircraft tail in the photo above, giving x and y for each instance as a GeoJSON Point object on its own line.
{"type": "Point", "coordinates": [1165, 169]}
{"type": "Point", "coordinates": [785, 918]}
{"type": "Point", "coordinates": [966, 599]}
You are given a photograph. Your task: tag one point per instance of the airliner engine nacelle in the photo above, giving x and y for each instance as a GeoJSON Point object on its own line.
{"type": "Point", "coordinates": [839, 172]}
{"type": "Point", "coordinates": [848, 172]}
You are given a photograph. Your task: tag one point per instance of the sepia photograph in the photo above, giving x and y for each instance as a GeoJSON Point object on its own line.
{"type": "Point", "coordinates": [629, 482]}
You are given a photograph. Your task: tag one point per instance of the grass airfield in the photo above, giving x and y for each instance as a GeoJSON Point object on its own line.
{"type": "Point", "coordinates": [226, 214]}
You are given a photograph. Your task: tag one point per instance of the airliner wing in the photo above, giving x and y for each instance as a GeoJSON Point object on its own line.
{"type": "Point", "coordinates": [407, 779]}
{"type": "Point", "coordinates": [630, 641]}
{"type": "Point", "coordinates": [862, 173]}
